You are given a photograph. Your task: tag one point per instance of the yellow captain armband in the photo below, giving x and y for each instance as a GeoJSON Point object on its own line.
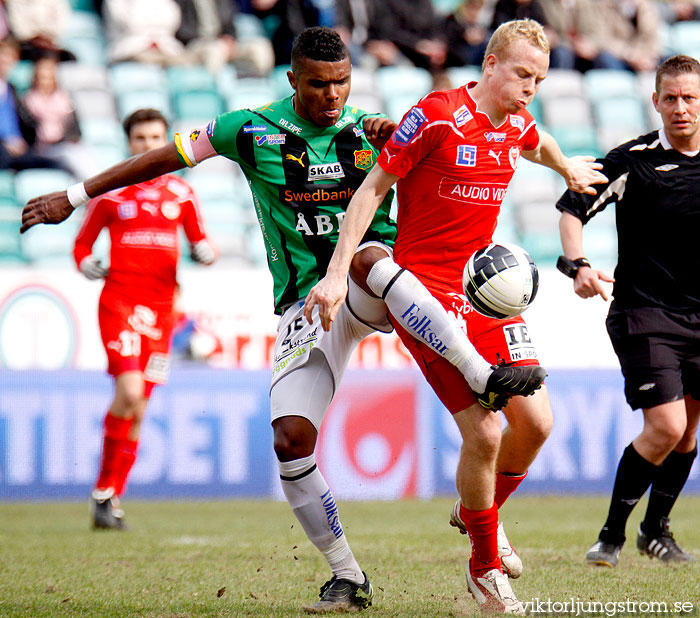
{"type": "Point", "coordinates": [184, 149]}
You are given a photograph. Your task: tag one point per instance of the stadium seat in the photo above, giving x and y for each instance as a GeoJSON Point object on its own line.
{"type": "Point", "coordinates": [185, 79]}
{"type": "Point", "coordinates": [463, 75]}
{"type": "Point", "coordinates": [7, 185]}
{"type": "Point", "coordinates": [50, 244]}
{"type": "Point", "coordinates": [403, 81]}
{"type": "Point", "coordinates": [684, 38]}
{"type": "Point", "coordinates": [363, 81]}
{"type": "Point", "coordinates": [621, 111]}
{"type": "Point", "coordinates": [226, 80]}
{"type": "Point", "coordinates": [532, 183]}
{"type": "Point", "coordinates": [577, 140]}
{"type": "Point", "coordinates": [366, 101]}
{"type": "Point", "coordinates": [280, 81]}
{"type": "Point", "coordinates": [84, 23]}
{"type": "Point", "coordinates": [543, 246]}
{"type": "Point", "coordinates": [211, 185]}
{"type": "Point", "coordinates": [32, 182]}
{"type": "Point", "coordinates": [562, 83]}
{"type": "Point", "coordinates": [103, 132]}
{"type": "Point", "coordinates": [87, 49]}
{"type": "Point", "coordinates": [248, 26]}
{"type": "Point", "coordinates": [611, 137]}
{"type": "Point", "coordinates": [129, 76]}
{"type": "Point", "coordinates": [80, 76]}
{"type": "Point", "coordinates": [21, 76]}
{"type": "Point", "coordinates": [607, 83]}
{"type": "Point", "coordinates": [252, 93]}
{"type": "Point", "coordinates": [208, 103]}
{"type": "Point", "coordinates": [566, 111]}
{"type": "Point", "coordinates": [131, 100]}
{"type": "Point", "coordinates": [107, 155]}
{"type": "Point", "coordinates": [10, 249]}
{"type": "Point", "coordinates": [94, 103]}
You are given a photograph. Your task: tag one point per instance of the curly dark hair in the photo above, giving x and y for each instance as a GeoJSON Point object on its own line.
{"type": "Point", "coordinates": [319, 43]}
{"type": "Point", "coordinates": [677, 65]}
{"type": "Point", "coordinates": [142, 115]}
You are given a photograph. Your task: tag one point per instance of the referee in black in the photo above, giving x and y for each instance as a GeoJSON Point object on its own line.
{"type": "Point", "coordinates": [654, 319]}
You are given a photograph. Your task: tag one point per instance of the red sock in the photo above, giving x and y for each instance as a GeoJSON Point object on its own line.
{"type": "Point", "coordinates": [116, 430]}
{"type": "Point", "coordinates": [506, 484]}
{"type": "Point", "coordinates": [126, 456]}
{"type": "Point", "coordinates": [482, 528]}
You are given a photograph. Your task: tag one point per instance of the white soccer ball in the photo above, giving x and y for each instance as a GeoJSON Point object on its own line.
{"type": "Point", "coordinates": [500, 280]}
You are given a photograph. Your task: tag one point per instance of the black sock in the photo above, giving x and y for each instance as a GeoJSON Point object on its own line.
{"type": "Point", "coordinates": [667, 486]}
{"type": "Point", "coordinates": [634, 475]}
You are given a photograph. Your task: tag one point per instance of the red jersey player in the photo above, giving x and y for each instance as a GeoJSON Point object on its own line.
{"type": "Point", "coordinates": [453, 155]}
{"type": "Point", "coordinates": [136, 311]}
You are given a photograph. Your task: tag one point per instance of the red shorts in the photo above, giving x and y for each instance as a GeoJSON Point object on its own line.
{"type": "Point", "coordinates": [495, 340]}
{"type": "Point", "coordinates": [136, 338]}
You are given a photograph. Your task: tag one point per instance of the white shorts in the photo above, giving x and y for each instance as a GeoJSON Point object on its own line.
{"type": "Point", "coordinates": [296, 338]}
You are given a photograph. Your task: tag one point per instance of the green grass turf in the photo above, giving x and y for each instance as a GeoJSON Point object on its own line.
{"type": "Point", "coordinates": [251, 559]}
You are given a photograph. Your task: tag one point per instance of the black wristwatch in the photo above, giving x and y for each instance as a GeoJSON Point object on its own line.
{"type": "Point", "coordinates": [570, 267]}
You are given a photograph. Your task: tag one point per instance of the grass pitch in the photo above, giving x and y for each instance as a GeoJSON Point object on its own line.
{"type": "Point", "coordinates": [251, 559]}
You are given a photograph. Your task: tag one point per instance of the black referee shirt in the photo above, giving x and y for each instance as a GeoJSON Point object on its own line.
{"type": "Point", "coordinates": [657, 192]}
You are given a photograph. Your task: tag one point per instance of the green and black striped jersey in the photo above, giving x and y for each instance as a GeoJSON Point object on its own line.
{"type": "Point", "coordinates": [302, 177]}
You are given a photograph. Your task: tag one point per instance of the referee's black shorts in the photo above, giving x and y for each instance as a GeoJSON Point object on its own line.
{"type": "Point", "coordinates": [659, 354]}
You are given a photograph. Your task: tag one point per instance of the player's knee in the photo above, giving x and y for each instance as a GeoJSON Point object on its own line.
{"type": "Point", "coordinates": [486, 442]}
{"type": "Point", "coordinates": [293, 439]}
{"type": "Point", "coordinates": [362, 263]}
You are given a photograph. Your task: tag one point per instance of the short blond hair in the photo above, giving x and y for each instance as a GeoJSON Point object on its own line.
{"type": "Point", "coordinates": [511, 31]}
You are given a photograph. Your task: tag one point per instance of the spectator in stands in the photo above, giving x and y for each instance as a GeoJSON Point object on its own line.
{"type": "Point", "coordinates": [352, 21]}
{"type": "Point", "coordinates": [38, 26]}
{"type": "Point", "coordinates": [208, 31]}
{"type": "Point", "coordinates": [57, 129]}
{"type": "Point", "coordinates": [466, 35]}
{"type": "Point", "coordinates": [17, 125]}
{"type": "Point", "coordinates": [578, 31]}
{"type": "Point", "coordinates": [407, 30]}
{"type": "Point", "coordinates": [143, 31]}
{"type": "Point", "coordinates": [631, 33]}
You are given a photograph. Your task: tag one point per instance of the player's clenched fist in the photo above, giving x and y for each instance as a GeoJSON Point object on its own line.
{"type": "Point", "coordinates": [378, 130]}
{"type": "Point", "coordinates": [51, 208]}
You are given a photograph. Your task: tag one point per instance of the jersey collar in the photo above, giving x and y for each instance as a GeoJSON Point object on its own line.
{"type": "Point", "coordinates": [474, 108]}
{"type": "Point", "coordinates": [667, 145]}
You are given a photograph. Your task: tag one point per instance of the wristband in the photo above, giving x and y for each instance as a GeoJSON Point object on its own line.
{"type": "Point", "coordinates": [570, 267]}
{"type": "Point", "coordinates": [77, 195]}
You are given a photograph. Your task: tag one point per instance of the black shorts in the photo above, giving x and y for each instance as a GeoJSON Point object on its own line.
{"type": "Point", "coordinates": [659, 354]}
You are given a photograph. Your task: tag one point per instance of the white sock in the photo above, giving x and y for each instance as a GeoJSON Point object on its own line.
{"type": "Point", "coordinates": [422, 315]}
{"type": "Point", "coordinates": [314, 506]}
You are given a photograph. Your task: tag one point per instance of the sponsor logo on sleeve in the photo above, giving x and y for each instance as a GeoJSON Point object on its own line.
{"type": "Point", "coordinates": [364, 159]}
{"type": "Point", "coordinates": [466, 155]}
{"type": "Point", "coordinates": [127, 210]}
{"type": "Point", "coordinates": [343, 121]}
{"type": "Point", "coordinates": [493, 136]}
{"type": "Point", "coordinates": [462, 116]}
{"type": "Point", "coordinates": [358, 131]}
{"type": "Point", "coordinates": [253, 128]}
{"type": "Point", "coordinates": [410, 126]}
{"type": "Point", "coordinates": [210, 128]}
{"type": "Point", "coordinates": [324, 171]}
{"type": "Point", "coordinates": [518, 122]}
{"type": "Point", "coordinates": [271, 138]}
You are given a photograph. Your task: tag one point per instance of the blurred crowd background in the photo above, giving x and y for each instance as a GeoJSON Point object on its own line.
{"type": "Point", "coordinates": [71, 70]}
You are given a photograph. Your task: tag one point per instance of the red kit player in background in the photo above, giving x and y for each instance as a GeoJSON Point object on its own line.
{"type": "Point", "coordinates": [136, 311]}
{"type": "Point", "coordinates": [452, 157]}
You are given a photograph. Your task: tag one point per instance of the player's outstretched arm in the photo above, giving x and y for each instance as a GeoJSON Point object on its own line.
{"type": "Point", "coordinates": [588, 280]}
{"type": "Point", "coordinates": [329, 293]}
{"type": "Point", "coordinates": [580, 173]}
{"type": "Point", "coordinates": [53, 208]}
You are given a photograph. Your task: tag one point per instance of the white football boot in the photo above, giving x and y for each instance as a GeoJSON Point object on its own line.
{"type": "Point", "coordinates": [493, 593]}
{"type": "Point", "coordinates": [510, 561]}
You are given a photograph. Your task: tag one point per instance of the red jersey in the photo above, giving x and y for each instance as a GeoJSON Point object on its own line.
{"type": "Point", "coordinates": [143, 222]}
{"type": "Point", "coordinates": [454, 168]}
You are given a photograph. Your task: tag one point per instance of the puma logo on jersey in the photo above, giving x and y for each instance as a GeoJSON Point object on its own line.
{"type": "Point", "coordinates": [648, 386]}
{"type": "Point", "coordinates": [495, 155]}
{"type": "Point", "coordinates": [666, 168]}
{"type": "Point", "coordinates": [291, 157]}
{"type": "Point", "coordinates": [389, 157]}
